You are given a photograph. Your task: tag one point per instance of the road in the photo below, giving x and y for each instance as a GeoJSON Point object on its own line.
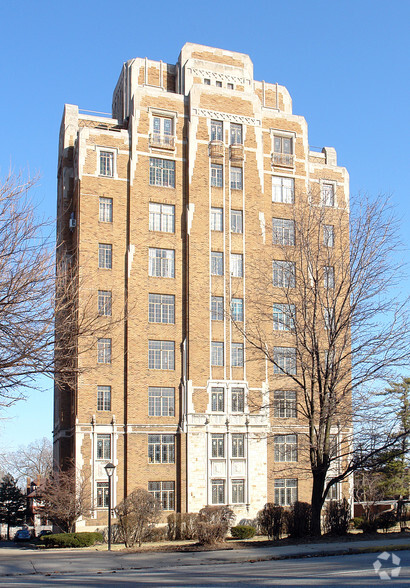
{"type": "Point", "coordinates": [346, 570]}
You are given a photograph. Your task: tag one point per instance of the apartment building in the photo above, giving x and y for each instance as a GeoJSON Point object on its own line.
{"type": "Point", "coordinates": [164, 209]}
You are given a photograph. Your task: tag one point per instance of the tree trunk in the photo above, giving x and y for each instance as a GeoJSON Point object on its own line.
{"type": "Point", "coordinates": [317, 502]}
{"type": "Point", "coordinates": [8, 532]}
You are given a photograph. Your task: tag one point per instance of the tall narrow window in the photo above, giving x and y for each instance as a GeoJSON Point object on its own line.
{"type": "Point", "coordinates": [237, 399]}
{"type": "Point", "coordinates": [218, 399]}
{"type": "Point", "coordinates": [216, 130]}
{"type": "Point", "coordinates": [216, 175]}
{"type": "Point", "coordinates": [104, 256]}
{"type": "Point", "coordinates": [161, 172]}
{"type": "Point", "coordinates": [282, 150]}
{"type": "Point", "coordinates": [104, 350]}
{"type": "Point", "coordinates": [283, 274]}
{"type": "Point", "coordinates": [161, 355]}
{"type": "Point", "coordinates": [218, 445]}
{"type": "Point", "coordinates": [283, 190]}
{"type": "Point", "coordinates": [162, 131]}
{"type": "Point", "coordinates": [236, 178]}
{"type": "Point", "coordinates": [161, 217]}
{"type": "Point", "coordinates": [284, 404]}
{"type": "Point", "coordinates": [236, 134]}
{"type": "Point", "coordinates": [218, 491]}
{"type": "Point", "coordinates": [237, 309]}
{"type": "Point", "coordinates": [328, 235]}
{"type": "Point", "coordinates": [217, 353]}
{"type": "Point", "coordinates": [238, 445]}
{"type": "Point", "coordinates": [106, 163]}
{"type": "Point", "coordinates": [161, 308]}
{"type": "Point", "coordinates": [237, 265]}
{"type": "Point", "coordinates": [238, 491]}
{"type": "Point", "coordinates": [283, 231]}
{"type": "Point", "coordinates": [236, 221]}
{"type": "Point", "coordinates": [217, 308]}
{"type": "Point", "coordinates": [162, 263]}
{"type": "Point", "coordinates": [328, 194]}
{"type": "Point", "coordinates": [103, 446]}
{"type": "Point", "coordinates": [329, 276]}
{"type": "Point", "coordinates": [216, 219]}
{"type": "Point", "coordinates": [329, 318]}
{"type": "Point", "coordinates": [104, 302]}
{"type": "Point", "coordinates": [105, 210]}
{"type": "Point", "coordinates": [103, 397]}
{"type": "Point", "coordinates": [284, 359]}
{"type": "Point", "coordinates": [102, 495]}
{"type": "Point", "coordinates": [217, 263]}
{"type": "Point", "coordinates": [237, 354]}
{"type": "Point", "coordinates": [283, 317]}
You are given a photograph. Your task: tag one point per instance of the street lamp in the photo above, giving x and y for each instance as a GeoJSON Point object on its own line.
{"type": "Point", "coordinates": [109, 468]}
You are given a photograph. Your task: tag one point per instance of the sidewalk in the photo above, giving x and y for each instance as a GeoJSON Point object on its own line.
{"type": "Point", "coordinates": [59, 561]}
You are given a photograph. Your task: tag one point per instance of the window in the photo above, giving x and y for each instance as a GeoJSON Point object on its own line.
{"type": "Point", "coordinates": [161, 172]}
{"type": "Point", "coordinates": [104, 447]}
{"type": "Point", "coordinates": [328, 235]}
{"type": "Point", "coordinates": [218, 491]}
{"type": "Point", "coordinates": [236, 178]}
{"type": "Point", "coordinates": [161, 355]}
{"type": "Point", "coordinates": [237, 265]}
{"type": "Point", "coordinates": [106, 163]}
{"type": "Point", "coordinates": [216, 130]}
{"type": "Point", "coordinates": [217, 353]}
{"type": "Point", "coordinates": [329, 276]}
{"type": "Point", "coordinates": [236, 221]}
{"type": "Point", "coordinates": [216, 175]}
{"type": "Point", "coordinates": [218, 445]}
{"type": "Point", "coordinates": [162, 263]}
{"type": "Point", "coordinates": [284, 274]}
{"type": "Point", "coordinates": [161, 401]}
{"type": "Point", "coordinates": [219, 84]}
{"type": "Point", "coordinates": [333, 492]}
{"type": "Point", "coordinates": [238, 446]}
{"type": "Point", "coordinates": [238, 491]}
{"type": "Point", "coordinates": [283, 231]}
{"type": "Point", "coordinates": [285, 360]}
{"type": "Point", "coordinates": [207, 82]}
{"type": "Point", "coordinates": [161, 308]}
{"type": "Point", "coordinates": [283, 150]}
{"type": "Point", "coordinates": [164, 492]}
{"type": "Point", "coordinates": [217, 263]}
{"type": "Point", "coordinates": [162, 130]}
{"type": "Point", "coordinates": [105, 210]}
{"type": "Point", "coordinates": [283, 317]}
{"type": "Point", "coordinates": [328, 194]}
{"type": "Point", "coordinates": [217, 399]}
{"type": "Point", "coordinates": [329, 317]}
{"type": "Point", "coordinates": [286, 492]}
{"type": "Point", "coordinates": [216, 219]}
{"type": "Point", "coordinates": [102, 494]}
{"type": "Point", "coordinates": [229, 86]}
{"type": "Point", "coordinates": [285, 448]}
{"type": "Point", "coordinates": [104, 256]}
{"type": "Point", "coordinates": [236, 134]}
{"type": "Point", "coordinates": [237, 309]}
{"type": "Point", "coordinates": [284, 404]}
{"type": "Point", "coordinates": [161, 448]}
{"type": "Point", "coordinates": [162, 217]}
{"type": "Point", "coordinates": [237, 354]}
{"type": "Point", "coordinates": [104, 302]}
{"type": "Point", "coordinates": [238, 399]}
{"type": "Point", "coordinates": [217, 308]}
{"type": "Point", "coordinates": [283, 190]}
{"type": "Point", "coordinates": [104, 351]}
{"type": "Point", "coordinates": [103, 397]}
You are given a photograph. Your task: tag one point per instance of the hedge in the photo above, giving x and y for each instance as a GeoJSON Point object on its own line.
{"type": "Point", "coordinates": [243, 532]}
{"type": "Point", "coordinates": [72, 539]}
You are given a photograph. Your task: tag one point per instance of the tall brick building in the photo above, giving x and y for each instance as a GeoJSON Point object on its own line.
{"type": "Point", "coordinates": [163, 210]}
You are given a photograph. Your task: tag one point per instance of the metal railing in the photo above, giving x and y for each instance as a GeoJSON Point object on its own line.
{"type": "Point", "coordinates": [162, 141]}
{"type": "Point", "coordinates": [283, 159]}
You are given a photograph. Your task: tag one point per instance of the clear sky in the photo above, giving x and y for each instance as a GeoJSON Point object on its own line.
{"type": "Point", "coordinates": [345, 64]}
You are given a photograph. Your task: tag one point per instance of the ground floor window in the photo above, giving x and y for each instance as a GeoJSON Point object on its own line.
{"type": "Point", "coordinates": [238, 491]}
{"type": "Point", "coordinates": [164, 492]}
{"type": "Point", "coordinates": [218, 491]}
{"type": "Point", "coordinates": [102, 494]}
{"type": "Point", "coordinates": [286, 491]}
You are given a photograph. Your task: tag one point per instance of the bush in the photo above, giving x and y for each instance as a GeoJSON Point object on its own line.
{"type": "Point", "coordinates": [243, 532]}
{"type": "Point", "coordinates": [369, 526]}
{"type": "Point", "coordinates": [72, 539]}
{"type": "Point", "coordinates": [182, 526]}
{"type": "Point", "coordinates": [386, 520]}
{"type": "Point", "coordinates": [271, 520]}
{"type": "Point", "coordinates": [155, 534]}
{"type": "Point", "coordinates": [357, 522]}
{"type": "Point", "coordinates": [213, 524]}
{"type": "Point", "coordinates": [136, 514]}
{"type": "Point", "coordinates": [337, 514]}
{"type": "Point", "coordinates": [298, 520]}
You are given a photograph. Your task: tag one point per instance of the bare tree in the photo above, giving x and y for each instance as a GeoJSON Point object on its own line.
{"type": "Point", "coordinates": [33, 461]}
{"type": "Point", "coordinates": [136, 514]}
{"type": "Point", "coordinates": [65, 497]}
{"type": "Point", "coordinates": [332, 322]}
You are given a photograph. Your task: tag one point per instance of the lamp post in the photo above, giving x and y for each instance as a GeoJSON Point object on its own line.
{"type": "Point", "coordinates": [109, 468]}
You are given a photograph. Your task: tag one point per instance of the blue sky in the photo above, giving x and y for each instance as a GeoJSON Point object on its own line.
{"type": "Point", "coordinates": [345, 64]}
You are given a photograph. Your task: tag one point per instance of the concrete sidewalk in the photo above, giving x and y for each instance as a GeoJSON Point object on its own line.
{"type": "Point", "coordinates": [15, 561]}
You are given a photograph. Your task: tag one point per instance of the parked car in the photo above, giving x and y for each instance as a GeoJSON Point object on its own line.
{"type": "Point", "coordinates": [22, 535]}
{"type": "Point", "coordinates": [44, 532]}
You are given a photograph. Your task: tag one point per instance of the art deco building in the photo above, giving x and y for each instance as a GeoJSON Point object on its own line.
{"type": "Point", "coordinates": [163, 209]}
